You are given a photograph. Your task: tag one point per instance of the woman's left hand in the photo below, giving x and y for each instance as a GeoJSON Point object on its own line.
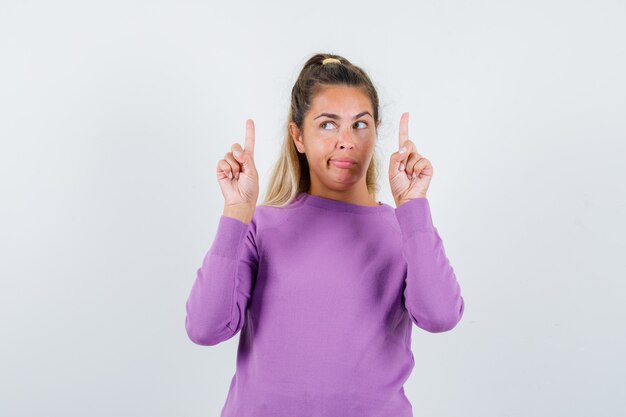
{"type": "Point", "coordinates": [409, 172]}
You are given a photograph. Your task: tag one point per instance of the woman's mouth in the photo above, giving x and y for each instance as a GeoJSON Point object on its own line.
{"type": "Point", "coordinates": [342, 164]}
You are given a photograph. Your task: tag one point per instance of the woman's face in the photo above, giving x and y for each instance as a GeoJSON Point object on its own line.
{"type": "Point", "coordinates": [339, 125]}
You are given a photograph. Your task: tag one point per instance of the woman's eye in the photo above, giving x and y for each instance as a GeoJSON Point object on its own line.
{"type": "Point", "coordinates": [325, 123]}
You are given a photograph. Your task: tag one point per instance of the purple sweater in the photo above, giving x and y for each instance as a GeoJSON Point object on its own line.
{"type": "Point", "coordinates": [324, 293]}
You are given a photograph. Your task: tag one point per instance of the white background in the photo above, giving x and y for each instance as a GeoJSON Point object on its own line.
{"type": "Point", "coordinates": [113, 116]}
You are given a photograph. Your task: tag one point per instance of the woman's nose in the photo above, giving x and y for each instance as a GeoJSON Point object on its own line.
{"type": "Point", "coordinates": [346, 138]}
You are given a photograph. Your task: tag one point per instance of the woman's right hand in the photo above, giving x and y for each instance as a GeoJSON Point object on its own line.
{"type": "Point", "coordinates": [237, 174]}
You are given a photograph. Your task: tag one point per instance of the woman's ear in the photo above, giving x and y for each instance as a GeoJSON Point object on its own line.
{"type": "Point", "coordinates": [296, 136]}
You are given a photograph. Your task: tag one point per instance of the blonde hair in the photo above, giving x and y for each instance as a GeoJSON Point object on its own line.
{"type": "Point", "coordinates": [290, 175]}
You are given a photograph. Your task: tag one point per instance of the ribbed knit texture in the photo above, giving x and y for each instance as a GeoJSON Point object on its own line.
{"type": "Point", "coordinates": [323, 294]}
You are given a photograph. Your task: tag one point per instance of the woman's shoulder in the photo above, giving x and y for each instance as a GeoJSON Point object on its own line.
{"type": "Point", "coordinates": [266, 216]}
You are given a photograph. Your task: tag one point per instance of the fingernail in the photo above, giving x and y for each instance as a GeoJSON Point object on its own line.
{"type": "Point", "coordinates": [237, 175]}
{"type": "Point", "coordinates": [401, 167]}
{"type": "Point", "coordinates": [402, 150]}
{"type": "Point", "coordinates": [414, 175]}
{"type": "Point", "coordinates": [236, 153]}
{"type": "Point", "coordinates": [230, 174]}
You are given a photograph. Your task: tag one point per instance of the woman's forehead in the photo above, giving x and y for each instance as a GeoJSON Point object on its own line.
{"type": "Point", "coordinates": [343, 102]}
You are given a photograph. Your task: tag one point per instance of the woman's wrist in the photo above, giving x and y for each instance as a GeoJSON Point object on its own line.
{"type": "Point", "coordinates": [241, 213]}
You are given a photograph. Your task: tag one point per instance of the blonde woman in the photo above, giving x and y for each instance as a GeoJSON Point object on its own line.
{"type": "Point", "coordinates": [324, 281]}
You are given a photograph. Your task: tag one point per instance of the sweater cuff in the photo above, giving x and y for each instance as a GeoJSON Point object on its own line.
{"type": "Point", "coordinates": [414, 216]}
{"type": "Point", "coordinates": [229, 235]}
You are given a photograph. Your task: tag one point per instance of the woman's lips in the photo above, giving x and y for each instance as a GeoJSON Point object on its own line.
{"type": "Point", "coordinates": [342, 164]}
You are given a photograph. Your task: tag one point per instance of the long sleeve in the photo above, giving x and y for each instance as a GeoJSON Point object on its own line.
{"type": "Point", "coordinates": [432, 295]}
{"type": "Point", "coordinates": [219, 297]}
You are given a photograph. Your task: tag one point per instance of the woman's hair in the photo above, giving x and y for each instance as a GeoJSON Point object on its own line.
{"type": "Point", "coordinates": [290, 175]}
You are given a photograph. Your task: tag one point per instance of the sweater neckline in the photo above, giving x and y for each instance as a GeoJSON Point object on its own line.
{"type": "Point", "coordinates": [329, 204]}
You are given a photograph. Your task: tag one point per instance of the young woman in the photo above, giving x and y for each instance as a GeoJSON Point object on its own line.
{"type": "Point", "coordinates": [322, 280]}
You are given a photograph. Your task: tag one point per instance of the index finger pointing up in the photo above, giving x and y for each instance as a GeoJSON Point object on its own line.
{"type": "Point", "coordinates": [249, 145]}
{"type": "Point", "coordinates": [404, 129]}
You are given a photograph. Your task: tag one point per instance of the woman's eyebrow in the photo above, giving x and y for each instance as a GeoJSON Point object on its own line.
{"type": "Point", "coordinates": [334, 116]}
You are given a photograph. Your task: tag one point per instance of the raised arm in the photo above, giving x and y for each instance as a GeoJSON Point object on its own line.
{"type": "Point", "coordinates": [217, 303]}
